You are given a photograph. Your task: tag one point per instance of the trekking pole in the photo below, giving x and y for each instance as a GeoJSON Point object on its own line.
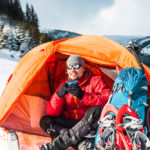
{"type": "Point", "coordinates": [131, 47]}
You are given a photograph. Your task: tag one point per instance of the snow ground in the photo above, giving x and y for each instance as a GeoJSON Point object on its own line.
{"type": "Point", "coordinates": [7, 65]}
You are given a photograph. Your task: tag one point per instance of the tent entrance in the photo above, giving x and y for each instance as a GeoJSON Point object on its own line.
{"type": "Point", "coordinates": [31, 105]}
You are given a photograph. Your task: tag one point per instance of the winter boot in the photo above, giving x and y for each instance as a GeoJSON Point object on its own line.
{"type": "Point", "coordinates": [93, 115]}
{"type": "Point", "coordinates": [54, 145]}
{"type": "Point", "coordinates": [75, 134]}
{"type": "Point", "coordinates": [70, 137]}
{"type": "Point", "coordinates": [87, 144]}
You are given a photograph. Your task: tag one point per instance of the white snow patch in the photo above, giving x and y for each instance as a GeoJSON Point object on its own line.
{"type": "Point", "coordinates": [7, 65]}
{"type": "Point", "coordinates": [3, 140]}
{"type": "Point", "coordinates": [146, 51]}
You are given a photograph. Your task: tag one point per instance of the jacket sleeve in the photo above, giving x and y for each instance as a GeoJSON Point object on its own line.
{"type": "Point", "coordinates": [55, 106]}
{"type": "Point", "coordinates": [100, 94]}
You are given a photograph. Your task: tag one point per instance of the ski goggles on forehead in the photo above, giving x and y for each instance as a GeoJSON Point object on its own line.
{"type": "Point", "coordinates": [76, 66]}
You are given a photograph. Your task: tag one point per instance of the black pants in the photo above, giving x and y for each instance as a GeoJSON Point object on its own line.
{"type": "Point", "coordinates": [77, 129]}
{"type": "Point", "coordinates": [59, 123]}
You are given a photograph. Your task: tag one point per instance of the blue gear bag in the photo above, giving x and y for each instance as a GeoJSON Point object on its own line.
{"type": "Point", "coordinates": [131, 88]}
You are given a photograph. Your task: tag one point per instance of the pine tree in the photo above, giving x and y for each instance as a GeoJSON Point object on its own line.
{"type": "Point", "coordinates": [31, 16]}
{"type": "Point", "coordinates": [1, 30]}
{"type": "Point", "coordinates": [32, 23]}
{"type": "Point", "coordinates": [3, 6]}
{"type": "Point", "coordinates": [34, 18]}
{"type": "Point", "coordinates": [27, 14]}
{"type": "Point", "coordinates": [44, 38]}
{"type": "Point", "coordinates": [17, 12]}
{"type": "Point", "coordinates": [10, 8]}
{"type": "Point", "coordinates": [35, 34]}
{"type": "Point", "coordinates": [11, 41]}
{"type": "Point", "coordinates": [26, 45]}
{"type": "Point", "coordinates": [19, 35]}
{"type": "Point", "coordinates": [28, 27]}
{"type": "Point", "coordinates": [3, 40]}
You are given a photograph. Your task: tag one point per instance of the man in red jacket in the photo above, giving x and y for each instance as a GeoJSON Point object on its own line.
{"type": "Point", "coordinates": [75, 107]}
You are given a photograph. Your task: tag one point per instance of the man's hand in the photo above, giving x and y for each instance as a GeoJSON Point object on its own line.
{"type": "Point", "coordinates": [63, 90]}
{"type": "Point", "coordinates": [75, 90]}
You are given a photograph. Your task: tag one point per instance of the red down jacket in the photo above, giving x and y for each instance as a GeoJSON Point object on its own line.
{"type": "Point", "coordinates": [95, 93]}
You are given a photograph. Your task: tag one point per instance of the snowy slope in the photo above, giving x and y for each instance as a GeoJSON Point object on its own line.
{"type": "Point", "coordinates": [7, 65]}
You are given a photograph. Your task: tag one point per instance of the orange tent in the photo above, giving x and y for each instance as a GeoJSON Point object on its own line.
{"type": "Point", "coordinates": [42, 69]}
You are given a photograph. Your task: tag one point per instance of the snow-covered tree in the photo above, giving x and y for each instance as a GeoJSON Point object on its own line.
{"type": "Point", "coordinates": [26, 45]}
{"type": "Point", "coordinates": [11, 41]}
{"type": "Point", "coordinates": [19, 35]}
{"type": "Point", "coordinates": [3, 40]}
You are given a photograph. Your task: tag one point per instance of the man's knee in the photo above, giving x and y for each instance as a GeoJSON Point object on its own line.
{"type": "Point", "coordinates": [45, 122]}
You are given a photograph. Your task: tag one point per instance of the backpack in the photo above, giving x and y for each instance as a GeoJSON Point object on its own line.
{"type": "Point", "coordinates": [131, 88]}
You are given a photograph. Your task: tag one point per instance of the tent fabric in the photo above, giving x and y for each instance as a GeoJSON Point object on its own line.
{"type": "Point", "coordinates": [27, 114]}
{"type": "Point", "coordinates": [51, 56]}
{"type": "Point", "coordinates": [31, 142]}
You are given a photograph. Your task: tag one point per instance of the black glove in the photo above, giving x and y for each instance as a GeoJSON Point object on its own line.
{"type": "Point", "coordinates": [75, 90]}
{"type": "Point", "coordinates": [63, 90]}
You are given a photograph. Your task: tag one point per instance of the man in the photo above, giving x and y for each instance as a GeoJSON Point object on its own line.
{"type": "Point", "coordinates": [75, 107]}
